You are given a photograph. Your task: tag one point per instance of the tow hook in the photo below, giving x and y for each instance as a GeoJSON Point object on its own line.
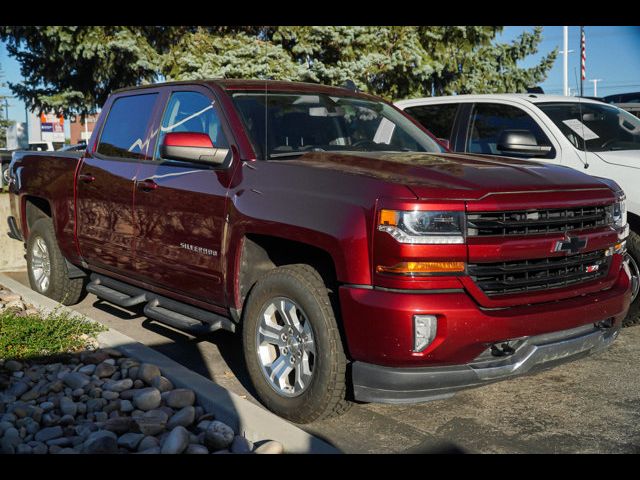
{"type": "Point", "coordinates": [502, 350]}
{"type": "Point", "coordinates": [605, 324]}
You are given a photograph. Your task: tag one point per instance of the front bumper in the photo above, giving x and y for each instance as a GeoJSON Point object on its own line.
{"type": "Point", "coordinates": [379, 331]}
{"type": "Point", "coordinates": [375, 383]}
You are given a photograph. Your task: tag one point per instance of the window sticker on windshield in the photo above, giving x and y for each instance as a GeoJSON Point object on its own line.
{"type": "Point", "coordinates": [581, 129]}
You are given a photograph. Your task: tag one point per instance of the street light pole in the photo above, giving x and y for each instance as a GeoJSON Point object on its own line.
{"type": "Point", "coordinates": [565, 64]}
{"type": "Point", "coordinates": [595, 86]}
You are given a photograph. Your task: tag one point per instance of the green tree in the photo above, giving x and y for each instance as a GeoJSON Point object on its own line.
{"type": "Point", "coordinates": [468, 60]}
{"type": "Point", "coordinates": [74, 69]}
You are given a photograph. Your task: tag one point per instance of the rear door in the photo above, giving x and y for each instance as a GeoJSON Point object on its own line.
{"type": "Point", "coordinates": [438, 118]}
{"type": "Point", "coordinates": [105, 229]}
{"type": "Point", "coordinates": [180, 206]}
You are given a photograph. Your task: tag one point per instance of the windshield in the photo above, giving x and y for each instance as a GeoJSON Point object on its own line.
{"type": "Point", "coordinates": [595, 127]}
{"type": "Point", "coordinates": [296, 123]}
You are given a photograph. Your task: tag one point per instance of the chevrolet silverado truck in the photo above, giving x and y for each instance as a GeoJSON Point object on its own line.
{"type": "Point", "coordinates": [355, 255]}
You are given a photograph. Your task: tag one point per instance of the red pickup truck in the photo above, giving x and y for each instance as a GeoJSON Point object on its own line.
{"type": "Point", "coordinates": [358, 257]}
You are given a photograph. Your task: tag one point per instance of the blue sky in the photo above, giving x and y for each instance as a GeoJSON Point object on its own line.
{"type": "Point", "coordinates": [613, 55]}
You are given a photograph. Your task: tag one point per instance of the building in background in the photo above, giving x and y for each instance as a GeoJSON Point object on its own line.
{"type": "Point", "coordinates": [45, 130]}
{"type": "Point", "coordinates": [79, 133]}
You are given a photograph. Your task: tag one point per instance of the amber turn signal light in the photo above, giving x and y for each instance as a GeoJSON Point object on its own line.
{"type": "Point", "coordinates": [418, 268]}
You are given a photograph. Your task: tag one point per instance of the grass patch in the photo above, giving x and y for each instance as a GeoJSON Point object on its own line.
{"type": "Point", "coordinates": [26, 336]}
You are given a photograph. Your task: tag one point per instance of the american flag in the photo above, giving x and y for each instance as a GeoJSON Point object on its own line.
{"type": "Point", "coordinates": [583, 50]}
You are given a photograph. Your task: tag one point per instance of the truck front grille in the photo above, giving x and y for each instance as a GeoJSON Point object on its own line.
{"type": "Point", "coordinates": [539, 274]}
{"type": "Point", "coordinates": [539, 221]}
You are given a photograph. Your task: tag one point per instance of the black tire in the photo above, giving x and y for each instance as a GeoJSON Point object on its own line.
{"type": "Point", "coordinates": [325, 395]}
{"type": "Point", "coordinates": [633, 250]}
{"type": "Point", "coordinates": [61, 288]}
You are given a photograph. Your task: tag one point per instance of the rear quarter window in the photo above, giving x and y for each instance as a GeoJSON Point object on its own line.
{"type": "Point", "coordinates": [125, 131]}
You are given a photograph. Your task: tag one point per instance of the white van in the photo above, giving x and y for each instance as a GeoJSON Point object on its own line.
{"type": "Point", "coordinates": [591, 136]}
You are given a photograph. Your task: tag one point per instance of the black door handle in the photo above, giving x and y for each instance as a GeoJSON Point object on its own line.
{"type": "Point", "coordinates": [146, 185]}
{"type": "Point", "coordinates": [86, 178]}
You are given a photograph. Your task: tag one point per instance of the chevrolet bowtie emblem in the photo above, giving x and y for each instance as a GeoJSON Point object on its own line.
{"type": "Point", "coordinates": [570, 245]}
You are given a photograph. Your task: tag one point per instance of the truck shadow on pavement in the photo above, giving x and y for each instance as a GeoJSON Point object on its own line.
{"type": "Point", "coordinates": [184, 348]}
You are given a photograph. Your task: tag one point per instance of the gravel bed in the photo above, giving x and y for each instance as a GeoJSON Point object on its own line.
{"type": "Point", "coordinates": [100, 401]}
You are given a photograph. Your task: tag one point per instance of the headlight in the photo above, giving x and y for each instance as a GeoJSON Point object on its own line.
{"type": "Point", "coordinates": [420, 226]}
{"type": "Point", "coordinates": [620, 212]}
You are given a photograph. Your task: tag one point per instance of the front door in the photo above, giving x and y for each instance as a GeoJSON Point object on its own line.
{"type": "Point", "coordinates": [105, 183]}
{"type": "Point", "coordinates": [180, 206]}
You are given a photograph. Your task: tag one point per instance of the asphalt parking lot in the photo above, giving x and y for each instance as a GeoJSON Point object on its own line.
{"type": "Point", "coordinates": [588, 406]}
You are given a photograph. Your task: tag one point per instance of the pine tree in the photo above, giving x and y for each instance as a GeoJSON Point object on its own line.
{"type": "Point", "coordinates": [74, 69]}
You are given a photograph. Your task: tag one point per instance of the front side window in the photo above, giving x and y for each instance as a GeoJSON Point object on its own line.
{"type": "Point", "coordinates": [595, 127]}
{"type": "Point", "coordinates": [285, 125]}
{"type": "Point", "coordinates": [437, 118]}
{"type": "Point", "coordinates": [490, 120]}
{"type": "Point", "coordinates": [192, 112]}
{"type": "Point", "coordinates": [125, 131]}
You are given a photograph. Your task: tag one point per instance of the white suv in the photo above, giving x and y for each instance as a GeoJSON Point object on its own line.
{"type": "Point", "coordinates": [591, 136]}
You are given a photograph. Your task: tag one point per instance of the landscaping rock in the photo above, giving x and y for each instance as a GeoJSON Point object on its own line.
{"type": "Point", "coordinates": [87, 369]}
{"type": "Point", "coordinates": [152, 422]}
{"type": "Point", "coordinates": [270, 447]}
{"type": "Point", "coordinates": [13, 365]}
{"type": "Point", "coordinates": [218, 435]}
{"type": "Point", "coordinates": [183, 417]}
{"type": "Point", "coordinates": [147, 372]}
{"type": "Point", "coordinates": [176, 442]}
{"type": "Point", "coordinates": [126, 406]}
{"type": "Point", "coordinates": [101, 441]}
{"type": "Point", "coordinates": [147, 399]}
{"type": "Point", "coordinates": [180, 398]}
{"type": "Point", "coordinates": [48, 433]}
{"type": "Point", "coordinates": [104, 370]}
{"type": "Point", "coordinates": [68, 406]}
{"type": "Point", "coordinates": [76, 380]}
{"type": "Point", "coordinates": [131, 440]}
{"type": "Point", "coordinates": [119, 385]}
{"type": "Point", "coordinates": [148, 442]}
{"type": "Point", "coordinates": [161, 383]}
{"type": "Point", "coordinates": [195, 449]}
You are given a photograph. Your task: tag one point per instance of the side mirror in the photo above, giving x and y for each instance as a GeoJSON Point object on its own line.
{"type": "Point", "coordinates": [521, 142]}
{"type": "Point", "coordinates": [192, 147]}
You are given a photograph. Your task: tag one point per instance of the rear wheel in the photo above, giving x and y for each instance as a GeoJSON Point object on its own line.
{"type": "Point", "coordinates": [633, 259]}
{"type": "Point", "coordinates": [47, 268]}
{"type": "Point", "coordinates": [292, 345]}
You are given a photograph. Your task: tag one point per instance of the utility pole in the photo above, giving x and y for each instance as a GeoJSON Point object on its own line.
{"type": "Point", "coordinates": [565, 64]}
{"type": "Point", "coordinates": [595, 86]}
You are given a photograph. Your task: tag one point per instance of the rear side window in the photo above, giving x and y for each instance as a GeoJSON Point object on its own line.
{"type": "Point", "coordinates": [489, 120]}
{"type": "Point", "coordinates": [125, 131]}
{"type": "Point", "coordinates": [438, 119]}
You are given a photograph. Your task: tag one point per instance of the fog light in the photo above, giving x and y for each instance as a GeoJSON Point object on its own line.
{"type": "Point", "coordinates": [424, 331]}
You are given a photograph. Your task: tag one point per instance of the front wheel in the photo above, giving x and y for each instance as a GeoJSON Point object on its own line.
{"type": "Point", "coordinates": [633, 260]}
{"type": "Point", "coordinates": [47, 268]}
{"type": "Point", "coordinates": [292, 345]}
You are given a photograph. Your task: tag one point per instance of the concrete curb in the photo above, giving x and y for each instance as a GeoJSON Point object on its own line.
{"type": "Point", "coordinates": [252, 421]}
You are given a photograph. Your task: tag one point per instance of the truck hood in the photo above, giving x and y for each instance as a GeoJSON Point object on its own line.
{"type": "Point", "coordinates": [452, 176]}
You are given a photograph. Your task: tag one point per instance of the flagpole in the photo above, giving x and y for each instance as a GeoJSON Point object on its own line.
{"type": "Point", "coordinates": [583, 57]}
